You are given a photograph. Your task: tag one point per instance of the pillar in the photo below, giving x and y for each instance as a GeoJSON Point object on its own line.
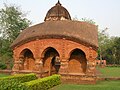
{"type": "Point", "coordinates": [39, 66]}
{"type": "Point", "coordinates": [91, 64]}
{"type": "Point", "coordinates": [16, 67]}
{"type": "Point", "coordinates": [91, 67]}
{"type": "Point", "coordinates": [64, 66]}
{"type": "Point", "coordinates": [21, 63]}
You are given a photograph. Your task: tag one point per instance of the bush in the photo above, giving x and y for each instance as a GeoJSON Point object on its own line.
{"type": "Point", "coordinates": [14, 82]}
{"type": "Point", "coordinates": [42, 84]}
{"type": "Point", "coordinates": [2, 66]}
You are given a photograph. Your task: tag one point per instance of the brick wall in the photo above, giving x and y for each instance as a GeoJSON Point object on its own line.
{"type": "Point", "coordinates": [64, 48]}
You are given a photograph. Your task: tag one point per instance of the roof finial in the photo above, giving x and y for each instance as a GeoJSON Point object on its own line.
{"type": "Point", "coordinates": [58, 3]}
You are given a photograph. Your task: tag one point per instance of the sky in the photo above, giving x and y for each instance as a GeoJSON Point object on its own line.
{"type": "Point", "coordinates": [106, 13]}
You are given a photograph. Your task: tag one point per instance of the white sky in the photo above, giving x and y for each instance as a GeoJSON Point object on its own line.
{"type": "Point", "coordinates": [106, 13]}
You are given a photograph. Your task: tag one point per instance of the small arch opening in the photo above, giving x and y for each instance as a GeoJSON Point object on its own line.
{"type": "Point", "coordinates": [77, 62]}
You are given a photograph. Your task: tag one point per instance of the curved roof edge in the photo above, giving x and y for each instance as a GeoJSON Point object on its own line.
{"type": "Point", "coordinates": [89, 44]}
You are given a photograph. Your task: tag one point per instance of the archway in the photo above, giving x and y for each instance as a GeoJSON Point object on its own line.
{"type": "Point", "coordinates": [28, 60]}
{"type": "Point", "coordinates": [51, 62]}
{"type": "Point", "coordinates": [77, 62]}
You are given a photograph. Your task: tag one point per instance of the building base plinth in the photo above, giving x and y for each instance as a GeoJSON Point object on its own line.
{"type": "Point", "coordinates": [78, 79]}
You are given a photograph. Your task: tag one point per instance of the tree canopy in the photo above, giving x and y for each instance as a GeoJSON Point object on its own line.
{"type": "Point", "coordinates": [109, 48]}
{"type": "Point", "coordinates": [12, 22]}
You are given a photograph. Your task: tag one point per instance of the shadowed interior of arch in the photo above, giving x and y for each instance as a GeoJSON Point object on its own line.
{"type": "Point", "coordinates": [28, 62]}
{"type": "Point", "coordinates": [51, 62]}
{"type": "Point", "coordinates": [77, 62]}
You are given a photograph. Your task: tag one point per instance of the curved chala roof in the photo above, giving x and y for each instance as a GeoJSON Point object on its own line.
{"type": "Point", "coordinates": [60, 28]}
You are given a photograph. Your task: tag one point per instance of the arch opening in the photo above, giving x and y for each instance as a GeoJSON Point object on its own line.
{"type": "Point", "coordinates": [51, 61]}
{"type": "Point", "coordinates": [77, 62]}
{"type": "Point", "coordinates": [27, 59]}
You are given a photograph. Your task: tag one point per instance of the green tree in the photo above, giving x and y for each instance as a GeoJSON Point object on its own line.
{"type": "Point", "coordinates": [103, 40]}
{"type": "Point", "coordinates": [12, 22]}
{"type": "Point", "coordinates": [116, 50]}
{"type": "Point", "coordinates": [109, 48]}
{"type": "Point", "coordinates": [107, 52]}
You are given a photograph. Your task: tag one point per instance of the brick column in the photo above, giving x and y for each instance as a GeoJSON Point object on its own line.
{"type": "Point", "coordinates": [21, 63]}
{"type": "Point", "coordinates": [64, 66]}
{"type": "Point", "coordinates": [16, 67]}
{"type": "Point", "coordinates": [39, 66]}
{"type": "Point", "coordinates": [90, 67]}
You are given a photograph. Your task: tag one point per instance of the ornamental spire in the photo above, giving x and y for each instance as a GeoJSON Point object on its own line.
{"type": "Point", "coordinates": [58, 3]}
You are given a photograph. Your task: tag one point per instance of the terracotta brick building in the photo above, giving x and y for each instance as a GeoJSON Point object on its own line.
{"type": "Point", "coordinates": [59, 45]}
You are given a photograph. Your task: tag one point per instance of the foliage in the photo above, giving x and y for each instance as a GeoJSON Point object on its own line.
{"type": "Point", "coordinates": [12, 22]}
{"type": "Point", "coordinates": [109, 48]}
{"type": "Point", "coordinates": [103, 39]}
{"type": "Point", "coordinates": [116, 50]}
{"type": "Point", "coordinates": [2, 66]}
{"type": "Point", "coordinates": [103, 85]}
{"type": "Point", "coordinates": [42, 84]}
{"type": "Point", "coordinates": [13, 82]}
{"type": "Point", "coordinates": [28, 82]}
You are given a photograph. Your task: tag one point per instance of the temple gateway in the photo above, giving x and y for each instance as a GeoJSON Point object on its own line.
{"type": "Point", "coordinates": [59, 45]}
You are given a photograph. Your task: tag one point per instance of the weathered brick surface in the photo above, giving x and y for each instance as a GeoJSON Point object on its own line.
{"type": "Point", "coordinates": [64, 48]}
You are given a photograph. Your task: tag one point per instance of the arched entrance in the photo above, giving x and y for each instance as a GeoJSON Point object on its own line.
{"type": "Point", "coordinates": [51, 62]}
{"type": "Point", "coordinates": [28, 60]}
{"type": "Point", "coordinates": [77, 62]}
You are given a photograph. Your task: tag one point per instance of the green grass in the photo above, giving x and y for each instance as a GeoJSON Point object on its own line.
{"type": "Point", "coordinates": [104, 85]}
{"type": "Point", "coordinates": [101, 85]}
{"type": "Point", "coordinates": [110, 71]}
{"type": "Point", "coordinates": [3, 75]}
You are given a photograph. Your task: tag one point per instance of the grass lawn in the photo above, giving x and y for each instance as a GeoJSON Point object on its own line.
{"type": "Point", "coordinates": [3, 75]}
{"type": "Point", "coordinates": [103, 85]}
{"type": "Point", "coordinates": [110, 71]}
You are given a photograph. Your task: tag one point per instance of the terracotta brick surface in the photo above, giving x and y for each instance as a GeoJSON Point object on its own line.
{"type": "Point", "coordinates": [64, 49]}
